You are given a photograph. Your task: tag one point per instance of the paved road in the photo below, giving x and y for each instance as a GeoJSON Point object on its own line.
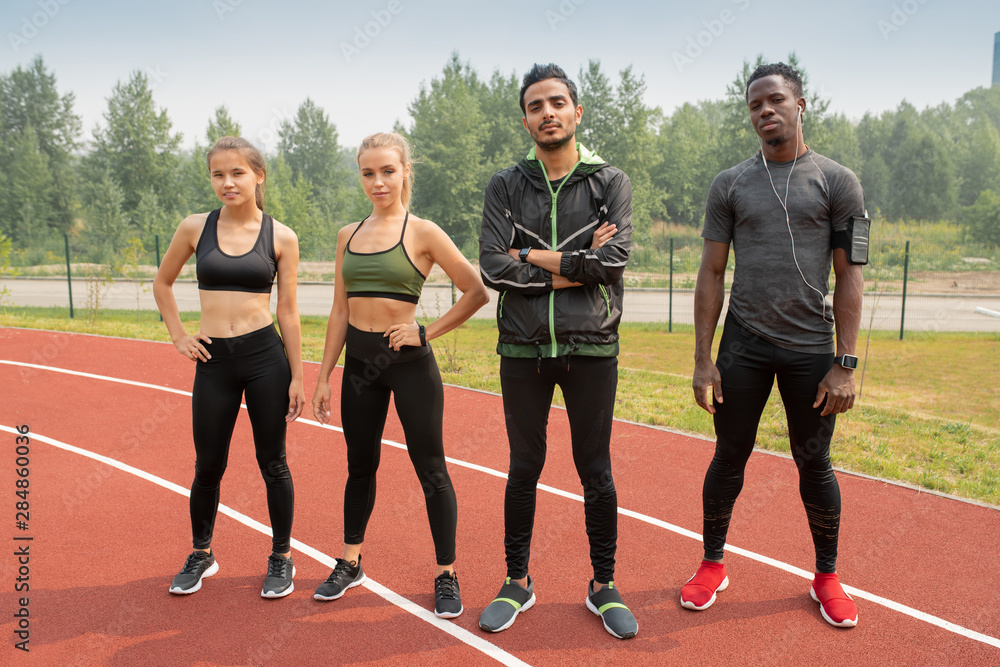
{"type": "Point", "coordinates": [923, 312]}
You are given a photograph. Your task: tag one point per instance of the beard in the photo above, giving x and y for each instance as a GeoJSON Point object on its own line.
{"type": "Point", "coordinates": [554, 143]}
{"type": "Point", "coordinates": [776, 141]}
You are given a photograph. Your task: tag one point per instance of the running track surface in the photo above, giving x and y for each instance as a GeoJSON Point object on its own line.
{"type": "Point", "coordinates": [107, 542]}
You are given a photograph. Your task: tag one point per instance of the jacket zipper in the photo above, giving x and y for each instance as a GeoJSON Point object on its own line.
{"type": "Point", "coordinates": [607, 299]}
{"type": "Point", "coordinates": [555, 243]}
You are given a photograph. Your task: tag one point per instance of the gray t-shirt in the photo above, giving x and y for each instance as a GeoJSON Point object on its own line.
{"type": "Point", "coordinates": [770, 296]}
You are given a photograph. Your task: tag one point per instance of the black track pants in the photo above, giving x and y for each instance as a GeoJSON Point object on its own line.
{"type": "Point", "coordinates": [253, 364]}
{"type": "Point", "coordinates": [373, 371]}
{"type": "Point", "coordinates": [748, 365]}
{"type": "Point", "coordinates": [588, 384]}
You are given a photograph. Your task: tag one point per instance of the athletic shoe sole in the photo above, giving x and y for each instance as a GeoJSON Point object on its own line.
{"type": "Point", "coordinates": [691, 605]}
{"type": "Point", "coordinates": [287, 591]}
{"type": "Point", "coordinates": [849, 623]}
{"type": "Point", "coordinates": [213, 568]}
{"type": "Point", "coordinates": [449, 614]}
{"type": "Point", "coordinates": [324, 598]}
{"type": "Point", "coordinates": [591, 607]}
{"type": "Point", "coordinates": [524, 607]}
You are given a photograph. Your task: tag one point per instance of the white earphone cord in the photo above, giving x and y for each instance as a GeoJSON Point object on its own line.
{"type": "Point", "coordinates": [784, 206]}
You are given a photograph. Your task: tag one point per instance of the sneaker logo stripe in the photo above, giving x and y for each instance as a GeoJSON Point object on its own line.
{"type": "Point", "coordinates": [515, 603]}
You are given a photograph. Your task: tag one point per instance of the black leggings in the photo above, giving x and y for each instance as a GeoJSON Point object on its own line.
{"type": "Point", "coordinates": [588, 385]}
{"type": "Point", "coordinates": [748, 365]}
{"type": "Point", "coordinates": [373, 371]}
{"type": "Point", "coordinates": [254, 363]}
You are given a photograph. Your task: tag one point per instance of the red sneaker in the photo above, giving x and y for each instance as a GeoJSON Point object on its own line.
{"type": "Point", "coordinates": [699, 591]}
{"type": "Point", "coordinates": [837, 607]}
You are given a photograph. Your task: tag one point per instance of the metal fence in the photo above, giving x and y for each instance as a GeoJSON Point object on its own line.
{"type": "Point", "coordinates": [908, 286]}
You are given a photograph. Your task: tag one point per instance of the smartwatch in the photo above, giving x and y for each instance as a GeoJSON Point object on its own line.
{"type": "Point", "coordinates": [523, 255]}
{"type": "Point", "coordinates": [848, 361]}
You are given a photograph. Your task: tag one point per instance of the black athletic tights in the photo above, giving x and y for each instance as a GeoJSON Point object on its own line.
{"type": "Point", "coordinates": [254, 363]}
{"type": "Point", "coordinates": [748, 365]}
{"type": "Point", "coordinates": [373, 371]}
{"type": "Point", "coordinates": [588, 385]}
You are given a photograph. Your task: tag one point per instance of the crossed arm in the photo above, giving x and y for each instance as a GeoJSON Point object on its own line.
{"type": "Point", "coordinates": [602, 263]}
{"type": "Point", "coordinates": [551, 260]}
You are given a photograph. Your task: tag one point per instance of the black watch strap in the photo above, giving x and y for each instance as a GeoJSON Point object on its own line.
{"type": "Point", "coordinates": [523, 255]}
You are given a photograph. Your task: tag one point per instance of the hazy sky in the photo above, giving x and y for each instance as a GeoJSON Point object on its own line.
{"type": "Point", "coordinates": [262, 58]}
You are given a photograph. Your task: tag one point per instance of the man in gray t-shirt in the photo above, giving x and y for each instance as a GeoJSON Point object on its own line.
{"type": "Point", "coordinates": [787, 212]}
{"type": "Point", "coordinates": [769, 296]}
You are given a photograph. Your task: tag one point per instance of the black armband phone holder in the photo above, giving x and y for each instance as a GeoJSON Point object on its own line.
{"type": "Point", "coordinates": [854, 239]}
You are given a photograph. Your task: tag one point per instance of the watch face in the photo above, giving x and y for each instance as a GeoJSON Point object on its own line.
{"type": "Point", "coordinates": [848, 361]}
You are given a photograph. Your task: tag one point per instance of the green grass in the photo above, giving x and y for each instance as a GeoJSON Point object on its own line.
{"type": "Point", "coordinates": [929, 413]}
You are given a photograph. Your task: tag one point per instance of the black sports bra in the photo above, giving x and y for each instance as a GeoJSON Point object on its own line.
{"type": "Point", "coordinates": [253, 271]}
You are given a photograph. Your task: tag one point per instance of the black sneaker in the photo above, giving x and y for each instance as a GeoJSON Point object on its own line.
{"type": "Point", "coordinates": [345, 575]}
{"type": "Point", "coordinates": [447, 598]}
{"type": "Point", "coordinates": [197, 566]}
{"type": "Point", "coordinates": [280, 571]}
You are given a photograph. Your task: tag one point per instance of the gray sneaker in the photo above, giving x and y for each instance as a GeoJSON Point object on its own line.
{"type": "Point", "coordinates": [347, 574]}
{"type": "Point", "coordinates": [607, 603]}
{"type": "Point", "coordinates": [510, 601]}
{"type": "Point", "coordinates": [280, 571]}
{"type": "Point", "coordinates": [197, 566]}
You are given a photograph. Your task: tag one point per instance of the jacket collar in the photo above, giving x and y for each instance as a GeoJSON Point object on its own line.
{"type": "Point", "coordinates": [587, 156]}
{"type": "Point", "coordinates": [589, 162]}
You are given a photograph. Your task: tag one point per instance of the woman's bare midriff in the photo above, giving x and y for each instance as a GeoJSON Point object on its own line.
{"type": "Point", "coordinates": [228, 314]}
{"type": "Point", "coordinates": [378, 314]}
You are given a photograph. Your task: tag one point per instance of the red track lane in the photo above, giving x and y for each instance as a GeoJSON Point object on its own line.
{"type": "Point", "coordinates": [107, 543]}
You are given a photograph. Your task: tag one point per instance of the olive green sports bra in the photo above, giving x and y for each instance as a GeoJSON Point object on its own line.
{"type": "Point", "coordinates": [389, 274]}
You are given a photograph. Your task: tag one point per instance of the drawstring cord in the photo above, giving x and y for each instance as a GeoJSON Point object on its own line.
{"type": "Point", "coordinates": [573, 347]}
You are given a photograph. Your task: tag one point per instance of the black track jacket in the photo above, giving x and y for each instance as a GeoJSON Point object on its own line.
{"type": "Point", "coordinates": [523, 210]}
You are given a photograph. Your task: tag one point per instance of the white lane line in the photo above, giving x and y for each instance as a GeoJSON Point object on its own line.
{"type": "Point", "coordinates": [766, 560]}
{"type": "Point", "coordinates": [106, 378]}
{"type": "Point", "coordinates": [391, 596]}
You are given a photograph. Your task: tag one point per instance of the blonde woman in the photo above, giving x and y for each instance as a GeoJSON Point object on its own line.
{"type": "Point", "coordinates": [382, 263]}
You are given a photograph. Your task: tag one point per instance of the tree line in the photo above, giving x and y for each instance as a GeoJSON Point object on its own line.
{"type": "Point", "coordinates": [131, 177]}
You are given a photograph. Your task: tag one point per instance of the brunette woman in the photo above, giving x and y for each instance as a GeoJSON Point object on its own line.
{"type": "Point", "coordinates": [237, 351]}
